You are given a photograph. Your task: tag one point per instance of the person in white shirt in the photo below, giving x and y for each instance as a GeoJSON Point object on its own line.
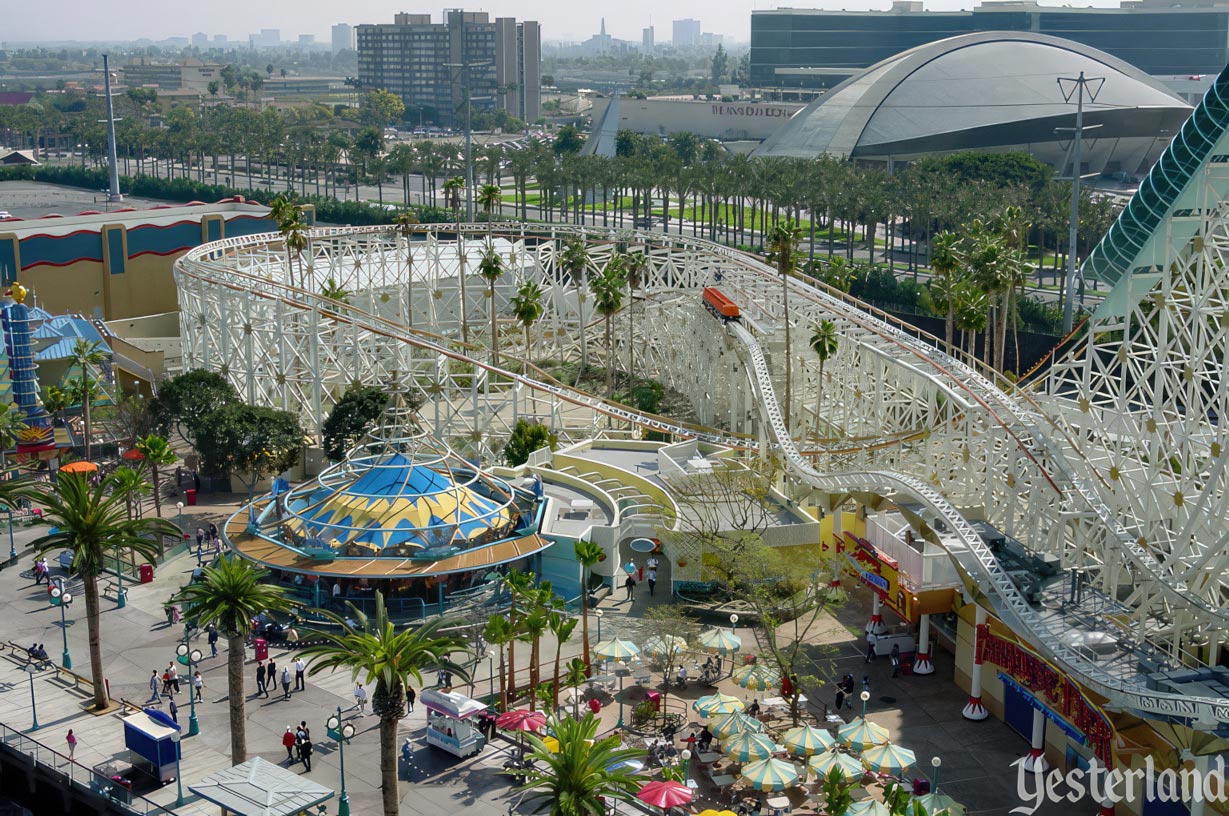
{"type": "Point", "coordinates": [360, 699]}
{"type": "Point", "coordinates": [299, 668]}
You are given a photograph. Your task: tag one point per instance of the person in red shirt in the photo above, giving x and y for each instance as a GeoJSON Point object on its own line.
{"type": "Point", "coordinates": [288, 743]}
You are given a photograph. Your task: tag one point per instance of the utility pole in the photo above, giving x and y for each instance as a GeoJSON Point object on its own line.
{"type": "Point", "coordinates": [113, 195]}
{"type": "Point", "coordinates": [1074, 86]}
{"type": "Point", "coordinates": [465, 66]}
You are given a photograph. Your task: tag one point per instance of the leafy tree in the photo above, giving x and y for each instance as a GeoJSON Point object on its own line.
{"type": "Point", "coordinates": [584, 774]}
{"type": "Point", "coordinates": [185, 398]}
{"type": "Point", "coordinates": [491, 269]}
{"type": "Point", "coordinates": [158, 453]}
{"type": "Point", "coordinates": [353, 415]}
{"type": "Point", "coordinates": [946, 267]}
{"type": "Point", "coordinates": [229, 595]}
{"type": "Point", "coordinates": [720, 67]}
{"type": "Point", "coordinates": [490, 197]}
{"type": "Point", "coordinates": [12, 423]}
{"type": "Point", "coordinates": [574, 259]}
{"type": "Point", "coordinates": [568, 141]}
{"type": "Point", "coordinates": [373, 648]}
{"type": "Point", "coordinates": [91, 522]}
{"type": "Point", "coordinates": [526, 438]}
{"type": "Point", "coordinates": [561, 627]}
{"type": "Point", "coordinates": [498, 632]}
{"type": "Point", "coordinates": [134, 414]}
{"type": "Point", "coordinates": [250, 440]}
{"type": "Point", "coordinates": [836, 792]}
{"type": "Point", "coordinates": [667, 624]}
{"type": "Point", "coordinates": [133, 485]}
{"type": "Point", "coordinates": [607, 301]}
{"type": "Point", "coordinates": [380, 108]}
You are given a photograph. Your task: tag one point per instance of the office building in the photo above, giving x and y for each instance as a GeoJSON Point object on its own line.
{"type": "Point", "coordinates": [424, 63]}
{"type": "Point", "coordinates": [200, 40]}
{"type": "Point", "coordinates": [812, 48]}
{"type": "Point", "coordinates": [267, 38]}
{"type": "Point", "coordinates": [686, 33]}
{"type": "Point", "coordinates": [646, 40]}
{"type": "Point", "coordinates": [191, 75]}
{"type": "Point", "coordinates": [343, 37]}
{"type": "Point", "coordinates": [307, 41]}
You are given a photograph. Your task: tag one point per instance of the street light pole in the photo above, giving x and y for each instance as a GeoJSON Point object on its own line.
{"type": "Point", "coordinates": [120, 600]}
{"type": "Point", "coordinates": [342, 734]}
{"type": "Point", "coordinates": [12, 546]}
{"type": "Point", "coordinates": [178, 774]}
{"type": "Point", "coordinates": [733, 622]}
{"type": "Point", "coordinates": [620, 669]}
{"type": "Point", "coordinates": [865, 698]}
{"type": "Point", "coordinates": [63, 600]}
{"type": "Point", "coordinates": [936, 762]}
{"type": "Point", "coordinates": [490, 670]}
{"type": "Point", "coordinates": [598, 613]}
{"type": "Point", "coordinates": [30, 668]}
{"type": "Point", "coordinates": [192, 657]}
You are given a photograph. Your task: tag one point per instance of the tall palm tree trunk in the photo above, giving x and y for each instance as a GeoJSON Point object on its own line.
{"type": "Point", "coordinates": [92, 618]}
{"type": "Point", "coordinates": [388, 765]}
{"type": "Point", "coordinates": [235, 698]}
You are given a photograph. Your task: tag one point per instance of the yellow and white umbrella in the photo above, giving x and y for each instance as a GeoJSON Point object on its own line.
{"type": "Point", "coordinates": [868, 807]}
{"type": "Point", "coordinates": [889, 759]}
{"type": "Point", "coordinates": [616, 649]}
{"type": "Point", "coordinates": [737, 723]}
{"type": "Point", "coordinates": [757, 677]}
{"type": "Point", "coordinates": [823, 764]}
{"type": "Point", "coordinates": [715, 705]}
{"type": "Point", "coordinates": [749, 747]}
{"type": "Point", "coordinates": [807, 740]}
{"type": "Point", "coordinates": [862, 734]}
{"type": "Point", "coordinates": [940, 803]}
{"type": "Point", "coordinates": [719, 640]}
{"type": "Point", "coordinates": [661, 646]}
{"type": "Point", "coordinates": [770, 774]}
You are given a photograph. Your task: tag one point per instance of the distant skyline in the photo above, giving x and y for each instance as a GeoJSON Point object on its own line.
{"type": "Point", "coordinates": [158, 20]}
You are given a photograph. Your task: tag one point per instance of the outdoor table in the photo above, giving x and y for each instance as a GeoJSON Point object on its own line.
{"type": "Point", "coordinates": [723, 781]}
{"type": "Point", "coordinates": [778, 804]}
{"type": "Point", "coordinates": [708, 758]}
{"type": "Point", "coordinates": [781, 702]}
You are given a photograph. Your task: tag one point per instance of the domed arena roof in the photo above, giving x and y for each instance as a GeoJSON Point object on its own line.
{"type": "Point", "coordinates": [976, 91]}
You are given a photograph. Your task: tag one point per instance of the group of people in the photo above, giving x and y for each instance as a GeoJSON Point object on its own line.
{"type": "Point", "coordinates": [633, 571]}
{"type": "Point", "coordinates": [267, 676]}
{"type": "Point", "coordinates": [298, 744]}
{"type": "Point", "coordinates": [208, 539]}
{"type": "Point", "coordinates": [37, 652]}
{"type": "Point", "coordinates": [41, 571]}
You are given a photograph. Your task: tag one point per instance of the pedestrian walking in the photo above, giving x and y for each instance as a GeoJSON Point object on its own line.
{"type": "Point", "coordinates": [630, 586]}
{"type": "Point", "coordinates": [410, 697]}
{"type": "Point", "coordinates": [166, 683]}
{"type": "Point", "coordinates": [286, 683]}
{"type": "Point", "coordinates": [871, 640]}
{"type": "Point", "coordinates": [305, 751]}
{"type": "Point", "coordinates": [213, 639]}
{"type": "Point", "coordinates": [300, 668]}
{"type": "Point", "coordinates": [272, 674]}
{"type": "Point", "coordinates": [174, 709]}
{"type": "Point", "coordinates": [895, 657]}
{"type": "Point", "coordinates": [288, 742]}
{"type": "Point", "coordinates": [71, 739]}
{"type": "Point", "coordinates": [260, 679]}
{"type": "Point", "coordinates": [360, 699]}
{"type": "Point", "coordinates": [213, 531]}
{"type": "Point", "coordinates": [200, 538]}
{"type": "Point", "coordinates": [154, 696]}
{"type": "Point", "coordinates": [840, 696]}
{"type": "Point", "coordinates": [174, 673]}
{"type": "Point", "coordinates": [652, 581]}
{"type": "Point", "coordinates": [847, 685]}
{"type": "Point", "coordinates": [198, 683]}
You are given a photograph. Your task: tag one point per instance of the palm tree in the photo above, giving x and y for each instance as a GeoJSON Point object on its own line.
{"type": "Point", "coordinates": [561, 626]}
{"type": "Point", "coordinates": [527, 308]}
{"type": "Point", "coordinates": [12, 423]}
{"type": "Point", "coordinates": [585, 773]}
{"type": "Point", "coordinates": [133, 485]}
{"type": "Point", "coordinates": [491, 268]}
{"type": "Point", "coordinates": [404, 221]}
{"type": "Point", "coordinates": [946, 264]}
{"type": "Point", "coordinates": [577, 675]}
{"type": "Point", "coordinates": [536, 622]}
{"type": "Point", "coordinates": [575, 261]}
{"type": "Point", "coordinates": [92, 523]}
{"type": "Point", "coordinates": [158, 453]}
{"type": "Point", "coordinates": [86, 355]}
{"type": "Point", "coordinates": [289, 220]}
{"type": "Point", "coordinates": [520, 586]}
{"type": "Point", "coordinates": [452, 194]}
{"type": "Point", "coordinates": [608, 300]}
{"type": "Point", "coordinates": [375, 650]}
{"type": "Point", "coordinates": [489, 198]}
{"type": "Point", "coordinates": [499, 633]}
{"type": "Point", "coordinates": [783, 252]}
{"type": "Point", "coordinates": [634, 266]}
{"type": "Point", "coordinates": [588, 554]}
{"type": "Point", "coordinates": [824, 343]}
{"type": "Point", "coordinates": [229, 595]}
{"type": "Point", "coordinates": [453, 188]}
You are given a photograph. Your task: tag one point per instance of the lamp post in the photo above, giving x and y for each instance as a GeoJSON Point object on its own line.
{"type": "Point", "coordinates": [598, 612]}
{"type": "Point", "coordinates": [190, 656]}
{"type": "Point", "coordinates": [686, 757]}
{"type": "Point", "coordinates": [936, 762]}
{"type": "Point", "coordinates": [178, 775]}
{"type": "Point", "coordinates": [733, 622]}
{"type": "Point", "coordinates": [342, 734]}
{"type": "Point", "coordinates": [12, 546]}
{"type": "Point", "coordinates": [621, 670]}
{"type": "Point", "coordinates": [490, 671]}
{"type": "Point", "coordinates": [120, 600]}
{"type": "Point", "coordinates": [63, 599]}
{"type": "Point", "coordinates": [33, 707]}
{"type": "Point", "coordinates": [865, 697]}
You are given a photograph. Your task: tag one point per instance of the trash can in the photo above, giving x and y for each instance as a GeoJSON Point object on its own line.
{"type": "Point", "coordinates": [654, 697]}
{"type": "Point", "coordinates": [147, 573]}
{"type": "Point", "coordinates": [190, 495]}
{"type": "Point", "coordinates": [595, 705]}
{"type": "Point", "coordinates": [261, 646]}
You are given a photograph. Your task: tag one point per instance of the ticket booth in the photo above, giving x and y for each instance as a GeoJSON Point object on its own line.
{"type": "Point", "coordinates": [452, 721]}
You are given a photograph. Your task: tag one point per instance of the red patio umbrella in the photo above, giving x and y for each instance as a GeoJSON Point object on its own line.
{"type": "Point", "coordinates": [665, 794]}
{"type": "Point", "coordinates": [521, 719]}
{"type": "Point", "coordinates": [133, 455]}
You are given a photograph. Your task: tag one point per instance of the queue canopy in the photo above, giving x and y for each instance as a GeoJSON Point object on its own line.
{"type": "Point", "coordinates": [260, 788]}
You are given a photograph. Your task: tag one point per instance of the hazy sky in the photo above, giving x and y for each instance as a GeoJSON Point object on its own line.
{"type": "Point", "coordinates": [561, 19]}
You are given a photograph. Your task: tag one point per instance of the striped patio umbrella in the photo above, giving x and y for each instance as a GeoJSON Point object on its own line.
{"type": "Point", "coordinates": [848, 767]}
{"type": "Point", "coordinates": [770, 774]}
{"type": "Point", "coordinates": [749, 747]}
{"type": "Point", "coordinates": [889, 759]}
{"type": "Point", "coordinates": [717, 704]}
{"type": "Point", "coordinates": [660, 647]}
{"type": "Point", "coordinates": [616, 649]}
{"type": "Point", "coordinates": [521, 719]}
{"type": "Point", "coordinates": [940, 803]}
{"type": "Point", "coordinates": [719, 640]}
{"type": "Point", "coordinates": [869, 807]}
{"type": "Point", "coordinates": [807, 740]}
{"type": "Point", "coordinates": [862, 734]}
{"type": "Point", "coordinates": [711, 812]}
{"type": "Point", "coordinates": [757, 677]}
{"type": "Point", "coordinates": [737, 723]}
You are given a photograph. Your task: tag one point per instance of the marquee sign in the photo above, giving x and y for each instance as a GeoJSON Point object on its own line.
{"type": "Point", "coordinates": [879, 571]}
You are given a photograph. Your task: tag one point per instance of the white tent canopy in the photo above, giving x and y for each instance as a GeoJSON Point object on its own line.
{"type": "Point", "coordinates": [260, 788]}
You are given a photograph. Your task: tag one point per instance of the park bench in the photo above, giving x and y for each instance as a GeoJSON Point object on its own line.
{"type": "Point", "coordinates": [112, 590]}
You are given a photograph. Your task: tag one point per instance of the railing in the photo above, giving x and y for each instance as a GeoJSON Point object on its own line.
{"type": "Point", "coordinates": [77, 775]}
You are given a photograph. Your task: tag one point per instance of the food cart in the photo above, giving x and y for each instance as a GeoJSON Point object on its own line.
{"type": "Point", "coordinates": [152, 737]}
{"type": "Point", "coordinates": [450, 721]}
